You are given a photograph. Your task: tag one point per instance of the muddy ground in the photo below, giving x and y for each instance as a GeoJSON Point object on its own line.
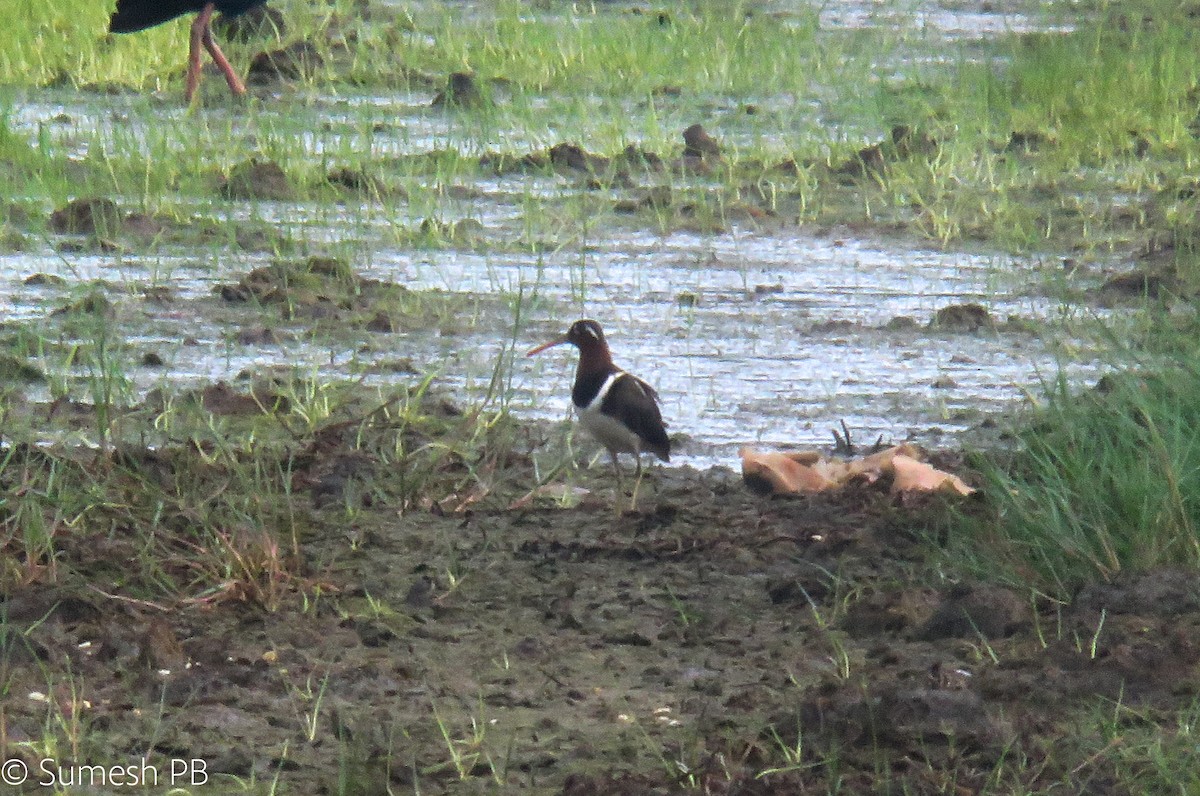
{"type": "Point", "coordinates": [423, 641]}
{"type": "Point", "coordinates": [713, 641]}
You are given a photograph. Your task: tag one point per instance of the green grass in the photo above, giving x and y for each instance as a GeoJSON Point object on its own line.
{"type": "Point", "coordinates": [208, 512]}
{"type": "Point", "coordinates": [1132, 749]}
{"type": "Point", "coordinates": [1112, 103]}
{"type": "Point", "coordinates": [69, 43]}
{"type": "Point", "coordinates": [172, 503]}
{"type": "Point", "coordinates": [1102, 481]}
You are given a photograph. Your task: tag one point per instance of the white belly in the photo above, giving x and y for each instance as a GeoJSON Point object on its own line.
{"type": "Point", "coordinates": [611, 433]}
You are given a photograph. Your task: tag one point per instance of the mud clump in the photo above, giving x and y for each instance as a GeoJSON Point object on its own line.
{"type": "Point", "coordinates": [327, 289]}
{"type": "Point", "coordinates": [572, 157]}
{"type": "Point", "coordinates": [657, 198]}
{"type": "Point", "coordinates": [508, 163]}
{"type": "Point", "coordinates": [903, 143]}
{"type": "Point", "coordinates": [383, 323]}
{"type": "Point", "coordinates": [962, 318]}
{"type": "Point", "coordinates": [258, 335]}
{"type": "Point", "coordinates": [102, 220]}
{"type": "Point", "coordinates": [1146, 283]}
{"type": "Point", "coordinates": [43, 280]}
{"type": "Point", "coordinates": [298, 61]}
{"type": "Point", "coordinates": [16, 369]}
{"type": "Point", "coordinates": [867, 161]}
{"type": "Point", "coordinates": [909, 142]}
{"type": "Point", "coordinates": [788, 168]}
{"type": "Point", "coordinates": [461, 91]}
{"type": "Point", "coordinates": [96, 216]}
{"type": "Point", "coordinates": [464, 232]}
{"type": "Point", "coordinates": [1028, 141]}
{"type": "Point", "coordinates": [15, 214]}
{"type": "Point", "coordinates": [94, 304]}
{"type": "Point", "coordinates": [289, 281]}
{"type": "Point", "coordinates": [140, 225]}
{"type": "Point", "coordinates": [257, 22]}
{"type": "Point", "coordinates": [256, 179]}
{"type": "Point", "coordinates": [697, 143]}
{"type": "Point", "coordinates": [223, 400]}
{"type": "Point", "coordinates": [360, 182]}
{"type": "Point", "coordinates": [887, 612]}
{"type": "Point", "coordinates": [1162, 593]}
{"type": "Point", "coordinates": [981, 611]}
{"type": "Point", "coordinates": [901, 323]}
{"type": "Point", "coordinates": [701, 152]}
{"type": "Point", "coordinates": [644, 159]}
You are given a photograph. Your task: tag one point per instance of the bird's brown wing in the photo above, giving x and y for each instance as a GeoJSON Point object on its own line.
{"type": "Point", "coordinates": [635, 404]}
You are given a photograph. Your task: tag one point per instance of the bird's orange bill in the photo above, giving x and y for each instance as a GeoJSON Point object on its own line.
{"type": "Point", "coordinates": [544, 346]}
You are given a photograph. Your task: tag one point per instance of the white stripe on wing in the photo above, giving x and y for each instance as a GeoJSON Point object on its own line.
{"type": "Point", "coordinates": [594, 404]}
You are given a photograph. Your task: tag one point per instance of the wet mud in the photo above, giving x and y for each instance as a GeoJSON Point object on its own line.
{"type": "Point", "coordinates": [714, 641]}
{"type": "Point", "coordinates": [367, 603]}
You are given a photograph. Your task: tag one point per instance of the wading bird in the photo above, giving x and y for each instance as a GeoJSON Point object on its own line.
{"type": "Point", "coordinates": [617, 408]}
{"type": "Point", "coordinates": [135, 15]}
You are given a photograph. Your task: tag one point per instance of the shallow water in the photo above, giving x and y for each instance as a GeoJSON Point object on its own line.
{"type": "Point", "coordinates": [954, 21]}
{"type": "Point", "coordinates": [750, 336]}
{"type": "Point", "coordinates": [749, 355]}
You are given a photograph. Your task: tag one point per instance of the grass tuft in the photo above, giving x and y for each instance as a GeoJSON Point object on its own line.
{"type": "Point", "coordinates": [1103, 481]}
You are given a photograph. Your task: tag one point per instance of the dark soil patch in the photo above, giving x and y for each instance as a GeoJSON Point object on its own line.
{"type": "Point", "coordinates": [572, 157]}
{"type": "Point", "coordinates": [872, 161]}
{"type": "Point", "coordinates": [257, 22]}
{"type": "Point", "coordinates": [17, 369]}
{"type": "Point", "coordinates": [95, 303]}
{"type": "Point", "coordinates": [962, 318]}
{"type": "Point", "coordinates": [255, 179]}
{"type": "Point", "coordinates": [462, 91]}
{"type": "Point", "coordinates": [1138, 285]}
{"type": "Point", "coordinates": [103, 219]}
{"type": "Point", "coordinates": [316, 286]}
{"type": "Point", "coordinates": [362, 183]}
{"type": "Point", "coordinates": [327, 293]}
{"type": "Point", "coordinates": [99, 216]}
{"type": "Point", "coordinates": [697, 143]}
{"type": "Point", "coordinates": [297, 61]}
{"type": "Point", "coordinates": [464, 232]}
{"type": "Point", "coordinates": [43, 280]}
{"type": "Point", "coordinates": [578, 651]}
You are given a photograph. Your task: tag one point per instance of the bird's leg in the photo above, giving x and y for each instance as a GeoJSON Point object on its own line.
{"type": "Point", "coordinates": [202, 34]}
{"type": "Point", "coordinates": [617, 470]}
{"type": "Point", "coordinates": [637, 483]}
{"type": "Point", "coordinates": [199, 25]}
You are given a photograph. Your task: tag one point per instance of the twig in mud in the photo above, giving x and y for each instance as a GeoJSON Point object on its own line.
{"type": "Point", "coordinates": [130, 600]}
{"type": "Point", "coordinates": [842, 443]}
{"type": "Point", "coordinates": [550, 676]}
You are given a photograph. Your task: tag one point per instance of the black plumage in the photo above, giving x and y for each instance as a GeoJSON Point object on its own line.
{"type": "Point", "coordinates": [617, 408]}
{"type": "Point", "coordinates": [134, 15]}
{"type": "Point", "coordinates": [131, 16]}
{"type": "Point", "coordinates": [635, 404]}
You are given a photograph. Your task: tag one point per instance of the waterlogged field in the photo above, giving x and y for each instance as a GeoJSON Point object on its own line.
{"type": "Point", "coordinates": [731, 283]}
{"type": "Point", "coordinates": [283, 495]}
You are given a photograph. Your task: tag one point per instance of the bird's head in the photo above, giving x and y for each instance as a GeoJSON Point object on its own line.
{"type": "Point", "coordinates": [586, 335]}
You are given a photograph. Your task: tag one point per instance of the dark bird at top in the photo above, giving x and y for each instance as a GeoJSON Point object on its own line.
{"type": "Point", "coordinates": [135, 15]}
{"type": "Point", "coordinates": [617, 408]}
